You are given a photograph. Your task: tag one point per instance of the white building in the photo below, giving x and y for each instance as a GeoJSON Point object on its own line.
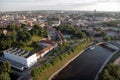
{"type": "Point", "coordinates": [20, 56]}
{"type": "Point", "coordinates": [56, 23]}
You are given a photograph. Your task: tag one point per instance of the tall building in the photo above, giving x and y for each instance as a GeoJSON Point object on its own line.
{"type": "Point", "coordinates": [94, 15]}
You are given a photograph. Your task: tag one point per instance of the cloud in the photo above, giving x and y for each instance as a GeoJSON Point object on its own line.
{"type": "Point", "coordinates": [16, 0]}
{"type": "Point", "coordinates": [55, 4]}
{"type": "Point", "coordinates": [107, 1]}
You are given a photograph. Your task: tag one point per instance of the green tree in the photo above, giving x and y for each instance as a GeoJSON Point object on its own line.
{"type": "Point", "coordinates": [3, 46]}
{"type": "Point", "coordinates": [103, 34]}
{"type": "Point", "coordinates": [107, 38]}
{"type": "Point", "coordinates": [111, 72]}
{"type": "Point", "coordinates": [107, 76]}
{"type": "Point", "coordinates": [21, 43]}
{"type": "Point", "coordinates": [83, 35]}
{"type": "Point", "coordinates": [24, 36]}
{"type": "Point", "coordinates": [5, 69]}
{"type": "Point", "coordinates": [4, 76]}
{"type": "Point", "coordinates": [71, 30]}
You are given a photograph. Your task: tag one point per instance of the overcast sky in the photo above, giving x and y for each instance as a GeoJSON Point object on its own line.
{"type": "Point", "coordinates": [99, 5]}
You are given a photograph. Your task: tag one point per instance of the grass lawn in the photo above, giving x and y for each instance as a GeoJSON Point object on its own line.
{"type": "Point", "coordinates": [36, 38]}
{"type": "Point", "coordinates": [30, 47]}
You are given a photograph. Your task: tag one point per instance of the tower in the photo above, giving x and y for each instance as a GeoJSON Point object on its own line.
{"type": "Point", "coordinates": [94, 15]}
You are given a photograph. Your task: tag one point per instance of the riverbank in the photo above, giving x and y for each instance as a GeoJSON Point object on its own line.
{"type": "Point", "coordinates": [49, 70]}
{"type": "Point", "coordinates": [79, 70]}
{"type": "Point", "coordinates": [65, 65]}
{"type": "Point", "coordinates": [107, 60]}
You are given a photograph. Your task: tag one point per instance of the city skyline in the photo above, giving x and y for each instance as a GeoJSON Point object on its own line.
{"type": "Point", "coordinates": [21, 5]}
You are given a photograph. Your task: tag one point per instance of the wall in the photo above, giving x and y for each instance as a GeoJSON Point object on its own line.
{"type": "Point", "coordinates": [15, 58]}
{"type": "Point", "coordinates": [31, 60]}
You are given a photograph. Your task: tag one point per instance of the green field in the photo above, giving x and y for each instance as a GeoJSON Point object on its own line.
{"type": "Point", "coordinates": [30, 46]}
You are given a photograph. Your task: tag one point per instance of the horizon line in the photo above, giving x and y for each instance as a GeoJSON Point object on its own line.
{"type": "Point", "coordinates": [56, 10]}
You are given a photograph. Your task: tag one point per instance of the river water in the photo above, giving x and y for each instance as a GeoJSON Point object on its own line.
{"type": "Point", "coordinates": [85, 66]}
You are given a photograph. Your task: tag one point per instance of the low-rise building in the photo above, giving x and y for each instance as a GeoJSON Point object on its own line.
{"type": "Point", "coordinates": [43, 52]}
{"type": "Point", "coordinates": [48, 46]}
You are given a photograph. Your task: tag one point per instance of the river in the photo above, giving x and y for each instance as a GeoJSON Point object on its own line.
{"type": "Point", "coordinates": [85, 66]}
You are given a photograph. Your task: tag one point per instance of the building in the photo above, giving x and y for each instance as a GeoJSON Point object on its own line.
{"type": "Point", "coordinates": [43, 52]}
{"type": "Point", "coordinates": [111, 33]}
{"type": "Point", "coordinates": [46, 43]}
{"type": "Point", "coordinates": [48, 46]}
{"type": "Point", "coordinates": [56, 23]}
{"type": "Point", "coordinates": [4, 32]}
{"type": "Point", "coordinates": [20, 57]}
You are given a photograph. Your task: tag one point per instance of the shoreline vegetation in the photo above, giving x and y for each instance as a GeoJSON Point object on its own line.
{"type": "Point", "coordinates": [49, 70]}
{"type": "Point", "coordinates": [111, 71]}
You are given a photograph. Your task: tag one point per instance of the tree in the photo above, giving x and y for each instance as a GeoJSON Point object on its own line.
{"type": "Point", "coordinates": [3, 46]}
{"type": "Point", "coordinates": [44, 33]}
{"type": "Point", "coordinates": [83, 35]}
{"type": "Point", "coordinates": [7, 66]}
{"type": "Point", "coordinates": [1, 34]}
{"type": "Point", "coordinates": [111, 72]}
{"type": "Point", "coordinates": [5, 69]}
{"type": "Point", "coordinates": [24, 36]}
{"type": "Point", "coordinates": [34, 32]}
{"type": "Point", "coordinates": [107, 38]}
{"type": "Point", "coordinates": [21, 43]}
{"type": "Point", "coordinates": [103, 34]}
{"type": "Point", "coordinates": [72, 30]}
{"type": "Point", "coordinates": [107, 76]}
{"type": "Point", "coordinates": [4, 76]}
{"type": "Point", "coordinates": [35, 44]}
{"type": "Point", "coordinates": [22, 25]}
{"type": "Point", "coordinates": [91, 38]}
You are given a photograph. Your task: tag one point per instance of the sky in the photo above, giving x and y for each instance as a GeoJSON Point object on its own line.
{"type": "Point", "coordinates": [90, 5]}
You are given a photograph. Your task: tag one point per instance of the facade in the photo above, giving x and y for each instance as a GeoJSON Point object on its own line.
{"type": "Point", "coordinates": [20, 56]}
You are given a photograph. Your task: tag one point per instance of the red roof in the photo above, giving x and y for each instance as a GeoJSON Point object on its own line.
{"type": "Point", "coordinates": [43, 50]}
{"type": "Point", "coordinates": [48, 42]}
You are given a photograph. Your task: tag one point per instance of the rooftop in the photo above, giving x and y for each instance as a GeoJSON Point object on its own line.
{"type": "Point", "coordinates": [45, 49]}
{"type": "Point", "coordinates": [19, 52]}
{"type": "Point", "coordinates": [47, 41]}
